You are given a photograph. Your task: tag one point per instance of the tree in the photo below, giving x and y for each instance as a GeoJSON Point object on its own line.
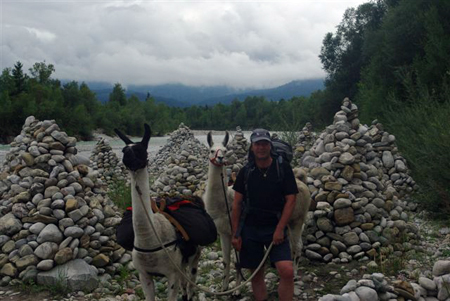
{"type": "Point", "coordinates": [19, 78]}
{"type": "Point", "coordinates": [42, 72]}
{"type": "Point", "coordinates": [343, 54]}
{"type": "Point", "coordinates": [6, 81]}
{"type": "Point", "coordinates": [411, 51]}
{"type": "Point", "coordinates": [118, 95]}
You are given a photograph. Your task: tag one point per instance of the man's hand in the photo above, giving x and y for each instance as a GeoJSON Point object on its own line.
{"type": "Point", "coordinates": [278, 236]}
{"type": "Point", "coordinates": [237, 243]}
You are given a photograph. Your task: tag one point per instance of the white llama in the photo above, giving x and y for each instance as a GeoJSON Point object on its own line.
{"type": "Point", "coordinates": [148, 256]}
{"type": "Point", "coordinates": [217, 209]}
{"type": "Point", "coordinates": [217, 204]}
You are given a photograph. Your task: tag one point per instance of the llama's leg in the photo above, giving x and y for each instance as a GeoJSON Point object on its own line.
{"type": "Point", "coordinates": [173, 284]}
{"type": "Point", "coordinates": [238, 278]}
{"type": "Point", "coordinates": [184, 284]}
{"type": "Point", "coordinates": [148, 286]}
{"type": "Point", "coordinates": [225, 242]}
{"type": "Point", "coordinates": [192, 273]}
{"type": "Point", "coordinates": [295, 238]}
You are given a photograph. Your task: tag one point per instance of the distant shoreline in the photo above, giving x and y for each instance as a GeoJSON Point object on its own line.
{"type": "Point", "coordinates": [85, 147]}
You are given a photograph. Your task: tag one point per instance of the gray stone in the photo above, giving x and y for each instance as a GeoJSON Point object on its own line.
{"type": "Point", "coordinates": [74, 232]}
{"type": "Point", "coordinates": [50, 233]}
{"type": "Point", "coordinates": [441, 267]}
{"type": "Point", "coordinates": [346, 158]}
{"type": "Point", "coordinates": [366, 293]}
{"type": "Point", "coordinates": [46, 250]}
{"type": "Point", "coordinates": [45, 265]}
{"type": "Point", "coordinates": [426, 283]}
{"type": "Point", "coordinates": [350, 286]}
{"type": "Point", "coordinates": [388, 159]}
{"type": "Point", "coordinates": [75, 274]}
{"type": "Point", "coordinates": [350, 238]}
{"type": "Point", "coordinates": [9, 224]}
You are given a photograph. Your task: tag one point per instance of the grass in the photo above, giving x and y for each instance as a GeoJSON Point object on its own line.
{"type": "Point", "coordinates": [120, 193]}
{"type": "Point", "coordinates": [59, 289]}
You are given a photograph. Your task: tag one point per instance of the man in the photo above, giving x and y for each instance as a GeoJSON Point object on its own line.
{"type": "Point", "coordinates": [268, 201]}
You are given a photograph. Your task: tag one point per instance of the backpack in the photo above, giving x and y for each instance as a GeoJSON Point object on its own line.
{"type": "Point", "coordinates": [282, 149]}
{"type": "Point", "coordinates": [197, 226]}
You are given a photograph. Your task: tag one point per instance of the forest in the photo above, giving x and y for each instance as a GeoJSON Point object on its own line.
{"type": "Point", "coordinates": [390, 57]}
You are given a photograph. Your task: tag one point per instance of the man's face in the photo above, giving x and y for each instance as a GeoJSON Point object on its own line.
{"type": "Point", "coordinates": [261, 149]}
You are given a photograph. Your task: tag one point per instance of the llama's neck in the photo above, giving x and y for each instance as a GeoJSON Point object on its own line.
{"type": "Point", "coordinates": [214, 187]}
{"type": "Point", "coordinates": [216, 176]}
{"type": "Point", "coordinates": [140, 197]}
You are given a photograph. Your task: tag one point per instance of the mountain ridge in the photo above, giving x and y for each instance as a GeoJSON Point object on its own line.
{"type": "Point", "coordinates": [178, 95]}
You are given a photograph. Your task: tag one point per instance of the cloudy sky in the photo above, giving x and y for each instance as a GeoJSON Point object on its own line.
{"type": "Point", "coordinates": [237, 43]}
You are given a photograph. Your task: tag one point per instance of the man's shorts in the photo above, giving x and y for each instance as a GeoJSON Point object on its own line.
{"type": "Point", "coordinates": [253, 241]}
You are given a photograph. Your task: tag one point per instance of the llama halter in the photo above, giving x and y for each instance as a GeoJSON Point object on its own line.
{"type": "Point", "coordinates": [218, 163]}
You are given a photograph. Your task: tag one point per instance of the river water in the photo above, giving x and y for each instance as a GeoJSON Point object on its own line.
{"type": "Point", "coordinates": [85, 147]}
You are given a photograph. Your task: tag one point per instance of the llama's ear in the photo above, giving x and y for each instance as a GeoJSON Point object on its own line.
{"type": "Point", "coordinates": [225, 140]}
{"type": "Point", "coordinates": [147, 134]}
{"type": "Point", "coordinates": [209, 139]}
{"type": "Point", "coordinates": [123, 137]}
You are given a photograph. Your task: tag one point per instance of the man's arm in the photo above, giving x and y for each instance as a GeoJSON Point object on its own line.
{"type": "Point", "coordinates": [235, 217]}
{"type": "Point", "coordinates": [278, 235]}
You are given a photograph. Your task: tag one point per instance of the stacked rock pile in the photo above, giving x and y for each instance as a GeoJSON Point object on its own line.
{"type": "Point", "coordinates": [105, 161]}
{"type": "Point", "coordinates": [180, 165]}
{"type": "Point", "coordinates": [237, 150]}
{"type": "Point", "coordinates": [305, 141]}
{"type": "Point", "coordinates": [356, 179]}
{"type": "Point", "coordinates": [51, 210]}
{"type": "Point", "coordinates": [379, 287]}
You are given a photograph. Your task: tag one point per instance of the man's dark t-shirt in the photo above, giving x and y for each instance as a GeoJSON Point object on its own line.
{"type": "Point", "coordinates": [267, 192]}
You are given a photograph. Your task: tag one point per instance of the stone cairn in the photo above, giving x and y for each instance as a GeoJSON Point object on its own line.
{"type": "Point", "coordinates": [305, 141]}
{"type": "Point", "coordinates": [105, 161]}
{"type": "Point", "coordinates": [180, 166]}
{"type": "Point", "coordinates": [356, 178]}
{"type": "Point", "coordinates": [377, 286]}
{"type": "Point", "coordinates": [55, 217]}
{"type": "Point", "coordinates": [237, 151]}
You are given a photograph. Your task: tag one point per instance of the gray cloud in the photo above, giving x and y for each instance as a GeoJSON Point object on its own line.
{"type": "Point", "coordinates": [241, 44]}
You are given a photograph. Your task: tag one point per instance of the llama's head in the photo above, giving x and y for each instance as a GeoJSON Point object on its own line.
{"type": "Point", "coordinates": [217, 152]}
{"type": "Point", "coordinates": [135, 154]}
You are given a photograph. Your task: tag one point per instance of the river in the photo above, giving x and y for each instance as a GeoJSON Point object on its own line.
{"type": "Point", "coordinates": [85, 147]}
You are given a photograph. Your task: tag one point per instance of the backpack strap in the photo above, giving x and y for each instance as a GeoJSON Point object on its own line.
{"type": "Point", "coordinates": [245, 208]}
{"type": "Point", "coordinates": [280, 171]}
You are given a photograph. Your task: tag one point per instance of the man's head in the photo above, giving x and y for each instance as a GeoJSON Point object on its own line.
{"type": "Point", "coordinates": [259, 134]}
{"type": "Point", "coordinates": [260, 144]}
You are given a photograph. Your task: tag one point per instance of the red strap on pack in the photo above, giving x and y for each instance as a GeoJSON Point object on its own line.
{"type": "Point", "coordinates": [178, 204]}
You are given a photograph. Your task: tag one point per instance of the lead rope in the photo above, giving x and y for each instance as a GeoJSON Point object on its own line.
{"type": "Point", "coordinates": [206, 290]}
{"type": "Point", "coordinates": [238, 262]}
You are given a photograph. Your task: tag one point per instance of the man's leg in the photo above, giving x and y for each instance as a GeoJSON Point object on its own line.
{"type": "Point", "coordinates": [259, 285]}
{"type": "Point", "coordinates": [251, 254]}
{"type": "Point", "coordinates": [286, 287]}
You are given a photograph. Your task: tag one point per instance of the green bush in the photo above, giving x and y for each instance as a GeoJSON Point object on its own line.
{"type": "Point", "coordinates": [422, 129]}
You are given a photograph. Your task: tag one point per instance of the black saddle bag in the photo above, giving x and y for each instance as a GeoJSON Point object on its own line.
{"type": "Point", "coordinates": [190, 214]}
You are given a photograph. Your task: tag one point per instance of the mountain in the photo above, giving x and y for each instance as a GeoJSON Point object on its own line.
{"type": "Point", "coordinates": [188, 94]}
{"type": "Point", "coordinates": [287, 91]}
{"type": "Point", "coordinates": [178, 95]}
